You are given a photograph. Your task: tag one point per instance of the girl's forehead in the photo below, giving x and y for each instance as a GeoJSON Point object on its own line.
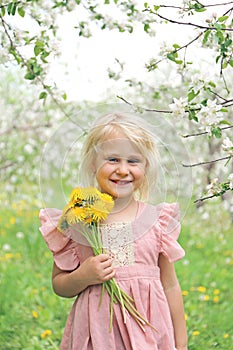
{"type": "Point", "coordinates": [118, 145]}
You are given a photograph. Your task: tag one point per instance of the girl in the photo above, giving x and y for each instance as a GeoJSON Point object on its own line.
{"type": "Point", "coordinates": [120, 158]}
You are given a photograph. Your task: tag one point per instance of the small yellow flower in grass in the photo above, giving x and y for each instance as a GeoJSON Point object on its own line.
{"type": "Point", "coordinates": [195, 333]}
{"type": "Point", "coordinates": [216, 299]}
{"type": "Point", "coordinates": [206, 297]}
{"type": "Point", "coordinates": [8, 256]}
{"type": "Point", "coordinates": [12, 220]}
{"type": "Point", "coordinates": [226, 335]}
{"type": "Point", "coordinates": [185, 317]}
{"type": "Point", "coordinates": [46, 333]}
{"type": "Point", "coordinates": [216, 292]}
{"type": "Point", "coordinates": [34, 314]}
{"type": "Point", "coordinates": [201, 289]}
{"type": "Point", "coordinates": [185, 292]}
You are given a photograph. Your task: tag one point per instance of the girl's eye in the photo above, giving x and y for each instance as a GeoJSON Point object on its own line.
{"type": "Point", "coordinates": [112, 160]}
{"type": "Point", "coordinates": [133, 161]}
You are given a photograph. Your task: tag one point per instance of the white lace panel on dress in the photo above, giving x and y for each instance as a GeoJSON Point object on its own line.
{"type": "Point", "coordinates": [118, 240]}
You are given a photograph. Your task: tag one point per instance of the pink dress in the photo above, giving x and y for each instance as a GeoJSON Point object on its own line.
{"type": "Point", "coordinates": [135, 248]}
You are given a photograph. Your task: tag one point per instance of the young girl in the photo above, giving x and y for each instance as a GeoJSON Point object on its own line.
{"type": "Point", "coordinates": [140, 240]}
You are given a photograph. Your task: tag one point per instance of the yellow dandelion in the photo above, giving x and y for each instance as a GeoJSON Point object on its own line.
{"type": "Point", "coordinates": [201, 289]}
{"type": "Point", "coordinates": [185, 292]}
{"type": "Point", "coordinates": [226, 335]}
{"type": "Point", "coordinates": [89, 193]}
{"type": "Point", "coordinates": [98, 215]}
{"type": "Point", "coordinates": [46, 333]}
{"type": "Point", "coordinates": [216, 299]}
{"type": "Point", "coordinates": [216, 292]}
{"type": "Point", "coordinates": [8, 256]}
{"type": "Point", "coordinates": [34, 314]}
{"type": "Point", "coordinates": [185, 317]}
{"type": "Point", "coordinates": [12, 221]}
{"type": "Point", "coordinates": [195, 333]}
{"type": "Point", "coordinates": [108, 201]}
{"type": "Point", "coordinates": [75, 215]}
{"type": "Point", "coordinates": [206, 297]}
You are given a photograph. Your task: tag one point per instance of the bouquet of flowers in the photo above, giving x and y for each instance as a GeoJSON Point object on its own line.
{"type": "Point", "coordinates": [89, 207]}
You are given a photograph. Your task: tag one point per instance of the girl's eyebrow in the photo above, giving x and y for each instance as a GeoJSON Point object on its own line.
{"type": "Point", "coordinates": [118, 155]}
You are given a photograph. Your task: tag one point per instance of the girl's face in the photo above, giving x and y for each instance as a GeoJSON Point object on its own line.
{"type": "Point", "coordinates": [119, 166]}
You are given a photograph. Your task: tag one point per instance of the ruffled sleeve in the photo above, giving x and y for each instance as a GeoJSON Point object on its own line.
{"type": "Point", "coordinates": [169, 220]}
{"type": "Point", "coordinates": [64, 249]}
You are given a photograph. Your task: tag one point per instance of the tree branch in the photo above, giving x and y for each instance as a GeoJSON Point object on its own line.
{"type": "Point", "coordinates": [186, 23]}
{"type": "Point", "coordinates": [205, 132]}
{"type": "Point", "coordinates": [143, 108]}
{"type": "Point", "coordinates": [28, 67]}
{"type": "Point", "coordinates": [207, 162]}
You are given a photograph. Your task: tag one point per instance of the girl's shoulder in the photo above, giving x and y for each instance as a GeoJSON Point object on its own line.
{"type": "Point", "coordinates": [163, 212]}
{"type": "Point", "coordinates": [63, 248]}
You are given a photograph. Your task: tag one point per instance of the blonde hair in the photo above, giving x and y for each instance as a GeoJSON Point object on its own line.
{"type": "Point", "coordinates": [137, 131]}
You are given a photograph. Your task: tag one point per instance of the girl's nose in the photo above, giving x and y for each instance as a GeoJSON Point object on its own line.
{"type": "Point", "coordinates": [122, 169]}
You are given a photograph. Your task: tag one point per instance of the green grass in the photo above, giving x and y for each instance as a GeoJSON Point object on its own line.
{"type": "Point", "coordinates": [32, 317]}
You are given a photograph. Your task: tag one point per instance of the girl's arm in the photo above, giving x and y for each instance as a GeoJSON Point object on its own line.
{"type": "Point", "coordinates": [94, 270]}
{"type": "Point", "coordinates": [175, 301]}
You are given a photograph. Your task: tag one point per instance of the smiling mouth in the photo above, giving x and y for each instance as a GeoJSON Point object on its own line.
{"type": "Point", "coordinates": [121, 182]}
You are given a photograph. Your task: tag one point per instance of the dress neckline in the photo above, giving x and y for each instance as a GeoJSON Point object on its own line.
{"type": "Point", "coordinates": [140, 207]}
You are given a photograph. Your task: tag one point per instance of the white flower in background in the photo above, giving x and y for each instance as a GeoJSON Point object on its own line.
{"type": "Point", "coordinates": [230, 178]}
{"type": "Point", "coordinates": [227, 146]}
{"type": "Point", "coordinates": [178, 107]}
{"type": "Point", "coordinates": [6, 247]}
{"type": "Point", "coordinates": [213, 187]}
{"type": "Point", "coordinates": [210, 116]}
{"type": "Point", "coordinates": [198, 82]}
{"type": "Point", "coordinates": [20, 235]}
{"type": "Point", "coordinates": [28, 148]}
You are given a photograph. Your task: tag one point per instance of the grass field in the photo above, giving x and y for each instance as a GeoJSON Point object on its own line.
{"type": "Point", "coordinates": [32, 317]}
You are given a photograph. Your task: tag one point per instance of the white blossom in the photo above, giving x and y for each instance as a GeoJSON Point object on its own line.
{"type": "Point", "coordinates": [227, 146]}
{"type": "Point", "coordinates": [230, 178]}
{"type": "Point", "coordinates": [210, 116]}
{"type": "Point", "coordinates": [178, 107]}
{"type": "Point", "coordinates": [28, 148]}
{"type": "Point", "coordinates": [213, 188]}
{"type": "Point", "coordinates": [198, 82]}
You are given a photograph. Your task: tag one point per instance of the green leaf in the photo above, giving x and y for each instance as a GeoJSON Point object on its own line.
{"type": "Point", "coordinates": [172, 56]}
{"type": "Point", "coordinates": [29, 76]}
{"type": "Point", "coordinates": [64, 96]}
{"type": "Point", "coordinates": [223, 18]}
{"type": "Point", "coordinates": [176, 46]}
{"type": "Point", "coordinates": [21, 11]}
{"type": "Point", "coordinates": [217, 132]}
{"type": "Point", "coordinates": [13, 10]}
{"type": "Point", "coordinates": [156, 8]}
{"type": "Point", "coordinates": [231, 62]}
{"type": "Point", "coordinates": [225, 122]}
{"type": "Point", "coordinates": [43, 95]}
{"type": "Point", "coordinates": [146, 27]}
{"type": "Point", "coordinates": [192, 95]}
{"type": "Point", "coordinates": [9, 6]}
{"type": "Point", "coordinates": [3, 11]}
{"type": "Point", "coordinates": [192, 115]}
{"type": "Point", "coordinates": [212, 84]}
{"type": "Point", "coordinates": [206, 35]}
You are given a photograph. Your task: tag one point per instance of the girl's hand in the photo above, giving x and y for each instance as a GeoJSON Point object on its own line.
{"type": "Point", "coordinates": [97, 269]}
